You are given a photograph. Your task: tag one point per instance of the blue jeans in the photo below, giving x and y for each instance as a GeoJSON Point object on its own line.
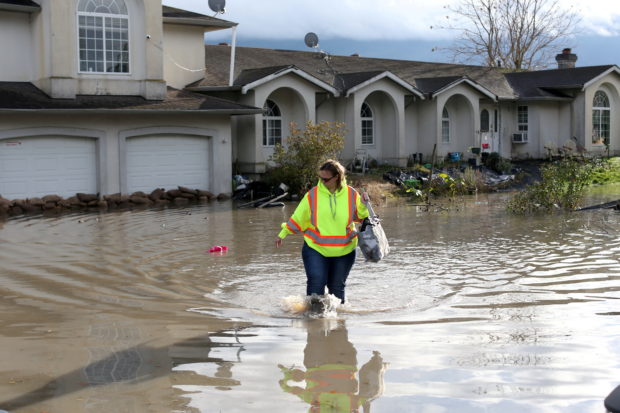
{"type": "Point", "coordinates": [330, 272]}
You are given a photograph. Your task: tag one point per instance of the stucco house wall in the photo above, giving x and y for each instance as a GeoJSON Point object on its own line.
{"type": "Point", "coordinates": [296, 98]}
{"type": "Point", "coordinates": [427, 130]}
{"type": "Point", "coordinates": [184, 54]}
{"type": "Point", "coordinates": [609, 84]}
{"type": "Point", "coordinates": [463, 103]}
{"type": "Point", "coordinates": [411, 111]}
{"type": "Point", "coordinates": [387, 100]}
{"type": "Point", "coordinates": [16, 45]}
{"type": "Point", "coordinates": [56, 33]}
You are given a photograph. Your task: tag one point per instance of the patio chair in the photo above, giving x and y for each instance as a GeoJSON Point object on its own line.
{"type": "Point", "coordinates": [360, 162]}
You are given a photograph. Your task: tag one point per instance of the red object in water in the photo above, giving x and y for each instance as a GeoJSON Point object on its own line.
{"type": "Point", "coordinates": [219, 248]}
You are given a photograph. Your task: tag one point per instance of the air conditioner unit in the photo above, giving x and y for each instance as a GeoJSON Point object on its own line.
{"type": "Point", "coordinates": [520, 137]}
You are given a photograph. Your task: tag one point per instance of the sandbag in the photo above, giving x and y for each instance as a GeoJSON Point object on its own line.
{"type": "Point", "coordinates": [371, 238]}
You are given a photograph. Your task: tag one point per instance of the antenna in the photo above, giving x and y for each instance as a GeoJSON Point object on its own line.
{"type": "Point", "coordinates": [311, 40]}
{"type": "Point", "coordinates": [218, 6]}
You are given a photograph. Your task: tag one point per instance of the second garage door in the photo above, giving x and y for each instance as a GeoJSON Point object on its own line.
{"type": "Point", "coordinates": [166, 161]}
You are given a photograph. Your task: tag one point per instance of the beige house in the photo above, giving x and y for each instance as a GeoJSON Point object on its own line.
{"type": "Point", "coordinates": [395, 108]}
{"type": "Point", "coordinates": [108, 96]}
{"type": "Point", "coordinates": [90, 100]}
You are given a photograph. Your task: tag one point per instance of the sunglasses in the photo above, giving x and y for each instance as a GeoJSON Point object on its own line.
{"type": "Point", "coordinates": [327, 179]}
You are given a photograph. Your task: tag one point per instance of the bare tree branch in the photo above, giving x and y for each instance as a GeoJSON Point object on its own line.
{"type": "Point", "coordinates": [515, 34]}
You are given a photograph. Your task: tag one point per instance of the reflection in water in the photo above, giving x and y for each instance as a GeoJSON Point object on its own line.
{"type": "Point", "coordinates": [208, 361]}
{"type": "Point", "coordinates": [330, 362]}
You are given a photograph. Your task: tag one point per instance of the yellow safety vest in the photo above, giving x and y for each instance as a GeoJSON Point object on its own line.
{"type": "Point", "coordinates": [327, 220]}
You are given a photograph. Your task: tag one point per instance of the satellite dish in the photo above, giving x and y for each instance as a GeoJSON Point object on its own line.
{"type": "Point", "coordinates": [311, 40]}
{"type": "Point", "coordinates": [217, 5]}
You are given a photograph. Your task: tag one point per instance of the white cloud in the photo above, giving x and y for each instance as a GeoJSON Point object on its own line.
{"type": "Point", "coordinates": [372, 19]}
{"type": "Point", "coordinates": [358, 19]}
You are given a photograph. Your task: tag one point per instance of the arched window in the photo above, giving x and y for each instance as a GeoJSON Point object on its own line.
{"type": "Point", "coordinates": [272, 124]}
{"type": "Point", "coordinates": [368, 127]}
{"type": "Point", "coordinates": [103, 36]}
{"type": "Point", "coordinates": [484, 121]}
{"type": "Point", "coordinates": [600, 118]}
{"type": "Point", "coordinates": [445, 126]}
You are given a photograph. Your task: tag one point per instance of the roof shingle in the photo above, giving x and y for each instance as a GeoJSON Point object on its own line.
{"type": "Point", "coordinates": [24, 95]}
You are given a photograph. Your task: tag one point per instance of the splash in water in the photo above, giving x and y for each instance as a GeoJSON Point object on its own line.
{"type": "Point", "coordinates": [314, 306]}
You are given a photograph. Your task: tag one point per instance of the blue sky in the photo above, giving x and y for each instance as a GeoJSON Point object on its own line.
{"type": "Point", "coordinates": [398, 29]}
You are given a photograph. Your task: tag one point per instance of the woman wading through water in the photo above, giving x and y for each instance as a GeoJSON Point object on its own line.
{"type": "Point", "coordinates": [326, 217]}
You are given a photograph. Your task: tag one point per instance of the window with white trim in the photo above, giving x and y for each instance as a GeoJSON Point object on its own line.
{"type": "Point", "coordinates": [445, 126]}
{"type": "Point", "coordinates": [103, 35]}
{"type": "Point", "coordinates": [600, 118]}
{"type": "Point", "coordinates": [522, 119]}
{"type": "Point", "coordinates": [272, 124]}
{"type": "Point", "coordinates": [368, 125]}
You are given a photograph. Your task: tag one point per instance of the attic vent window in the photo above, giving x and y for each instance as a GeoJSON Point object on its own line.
{"type": "Point", "coordinates": [103, 36]}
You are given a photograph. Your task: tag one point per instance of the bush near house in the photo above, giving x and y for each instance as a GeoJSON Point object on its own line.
{"type": "Point", "coordinates": [298, 163]}
{"type": "Point", "coordinates": [607, 173]}
{"type": "Point", "coordinates": [561, 186]}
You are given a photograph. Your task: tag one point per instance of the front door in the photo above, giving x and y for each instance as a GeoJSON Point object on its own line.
{"type": "Point", "coordinates": [489, 141]}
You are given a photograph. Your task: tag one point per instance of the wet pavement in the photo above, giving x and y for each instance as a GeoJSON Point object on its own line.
{"type": "Point", "coordinates": [474, 310]}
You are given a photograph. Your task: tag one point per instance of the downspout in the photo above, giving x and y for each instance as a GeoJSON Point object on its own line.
{"type": "Point", "coordinates": [232, 55]}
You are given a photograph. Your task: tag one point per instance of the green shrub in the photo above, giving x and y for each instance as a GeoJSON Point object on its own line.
{"type": "Point", "coordinates": [297, 165]}
{"type": "Point", "coordinates": [561, 186]}
{"type": "Point", "coordinates": [497, 163]}
{"type": "Point", "coordinates": [607, 173]}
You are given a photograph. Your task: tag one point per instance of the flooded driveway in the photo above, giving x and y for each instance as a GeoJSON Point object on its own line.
{"type": "Point", "coordinates": [474, 310]}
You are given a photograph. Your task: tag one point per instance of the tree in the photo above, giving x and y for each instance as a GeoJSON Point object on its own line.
{"type": "Point", "coordinates": [514, 34]}
{"type": "Point", "coordinates": [298, 163]}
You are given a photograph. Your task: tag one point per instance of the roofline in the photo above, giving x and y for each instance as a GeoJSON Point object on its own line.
{"type": "Point", "coordinates": [539, 98]}
{"type": "Point", "coordinates": [20, 8]}
{"type": "Point", "coordinates": [470, 82]}
{"type": "Point", "coordinates": [295, 70]}
{"type": "Point", "coordinates": [136, 111]}
{"type": "Point", "coordinates": [213, 88]}
{"type": "Point", "coordinates": [614, 68]}
{"type": "Point", "coordinates": [221, 24]}
{"type": "Point", "coordinates": [390, 76]}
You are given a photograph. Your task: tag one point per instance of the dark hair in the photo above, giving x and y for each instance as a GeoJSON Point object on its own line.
{"type": "Point", "coordinates": [336, 169]}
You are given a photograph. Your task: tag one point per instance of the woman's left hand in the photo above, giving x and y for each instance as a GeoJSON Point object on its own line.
{"type": "Point", "coordinates": [365, 197]}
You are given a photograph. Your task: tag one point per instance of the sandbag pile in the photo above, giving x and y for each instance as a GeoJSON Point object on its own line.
{"type": "Point", "coordinates": [54, 203]}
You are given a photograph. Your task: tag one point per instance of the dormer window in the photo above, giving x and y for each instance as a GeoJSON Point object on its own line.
{"type": "Point", "coordinates": [103, 36]}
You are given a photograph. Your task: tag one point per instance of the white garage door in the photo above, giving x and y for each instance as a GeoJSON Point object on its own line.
{"type": "Point", "coordinates": [166, 161]}
{"type": "Point", "coordinates": [34, 167]}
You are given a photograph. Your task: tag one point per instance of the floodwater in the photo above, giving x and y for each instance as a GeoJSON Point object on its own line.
{"type": "Point", "coordinates": [473, 311]}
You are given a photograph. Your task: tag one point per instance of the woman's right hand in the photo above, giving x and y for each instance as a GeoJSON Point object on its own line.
{"type": "Point", "coordinates": [278, 242]}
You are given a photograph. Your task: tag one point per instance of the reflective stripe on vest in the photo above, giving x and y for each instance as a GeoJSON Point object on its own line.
{"type": "Point", "coordinates": [293, 226]}
{"type": "Point", "coordinates": [331, 240]}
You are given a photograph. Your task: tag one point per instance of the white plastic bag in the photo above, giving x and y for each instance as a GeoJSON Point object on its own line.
{"type": "Point", "coordinates": [371, 238]}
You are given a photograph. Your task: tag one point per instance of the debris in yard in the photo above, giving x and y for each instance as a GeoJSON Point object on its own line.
{"type": "Point", "coordinates": [418, 177]}
{"type": "Point", "coordinates": [267, 201]}
{"type": "Point", "coordinates": [606, 205]}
